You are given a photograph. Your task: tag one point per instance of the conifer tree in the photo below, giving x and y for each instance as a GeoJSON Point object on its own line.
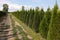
{"type": "Point", "coordinates": [36, 17]}
{"type": "Point", "coordinates": [31, 12]}
{"type": "Point", "coordinates": [54, 27]}
{"type": "Point", "coordinates": [45, 23]}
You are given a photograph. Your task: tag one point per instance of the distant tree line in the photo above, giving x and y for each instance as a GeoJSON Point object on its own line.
{"type": "Point", "coordinates": [4, 11]}
{"type": "Point", "coordinates": [47, 23]}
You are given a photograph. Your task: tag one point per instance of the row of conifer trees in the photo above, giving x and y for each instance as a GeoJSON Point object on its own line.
{"type": "Point", "coordinates": [44, 22]}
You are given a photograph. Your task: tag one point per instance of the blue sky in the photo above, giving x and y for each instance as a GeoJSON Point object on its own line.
{"type": "Point", "coordinates": [15, 5]}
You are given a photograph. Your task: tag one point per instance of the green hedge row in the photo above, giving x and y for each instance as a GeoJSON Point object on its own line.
{"type": "Point", "coordinates": [40, 21]}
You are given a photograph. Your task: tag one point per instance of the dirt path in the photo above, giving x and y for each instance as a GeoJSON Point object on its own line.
{"type": "Point", "coordinates": [10, 34]}
{"type": "Point", "coordinates": [8, 31]}
{"type": "Point", "coordinates": [6, 28]}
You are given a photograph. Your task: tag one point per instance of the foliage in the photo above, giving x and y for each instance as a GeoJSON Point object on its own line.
{"type": "Point", "coordinates": [45, 23]}
{"type": "Point", "coordinates": [40, 21]}
{"type": "Point", "coordinates": [5, 8]}
{"type": "Point", "coordinates": [54, 27]}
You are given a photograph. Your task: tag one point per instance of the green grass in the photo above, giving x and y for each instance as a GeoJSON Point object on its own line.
{"type": "Point", "coordinates": [24, 35]}
{"type": "Point", "coordinates": [15, 33]}
{"type": "Point", "coordinates": [14, 29]}
{"type": "Point", "coordinates": [29, 31]}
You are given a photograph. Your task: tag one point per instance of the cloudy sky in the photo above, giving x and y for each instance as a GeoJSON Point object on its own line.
{"type": "Point", "coordinates": [15, 5]}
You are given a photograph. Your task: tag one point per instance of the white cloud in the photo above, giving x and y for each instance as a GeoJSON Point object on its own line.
{"type": "Point", "coordinates": [12, 6]}
{"type": "Point", "coordinates": [15, 7]}
{"type": "Point", "coordinates": [1, 3]}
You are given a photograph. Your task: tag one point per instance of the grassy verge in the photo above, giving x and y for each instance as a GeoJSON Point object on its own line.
{"type": "Point", "coordinates": [29, 31]}
{"type": "Point", "coordinates": [14, 29]}
{"type": "Point", "coordinates": [21, 32]}
{"type": "Point", "coordinates": [15, 33]}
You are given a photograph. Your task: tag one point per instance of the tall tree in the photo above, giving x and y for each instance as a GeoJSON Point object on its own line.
{"type": "Point", "coordinates": [35, 22]}
{"type": "Point", "coordinates": [23, 13]}
{"type": "Point", "coordinates": [5, 8]}
{"type": "Point", "coordinates": [54, 27]}
{"type": "Point", "coordinates": [45, 23]}
{"type": "Point", "coordinates": [31, 12]}
{"type": "Point", "coordinates": [27, 17]}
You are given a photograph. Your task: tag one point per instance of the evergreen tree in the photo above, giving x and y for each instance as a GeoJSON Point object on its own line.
{"type": "Point", "coordinates": [54, 27]}
{"type": "Point", "coordinates": [31, 12]}
{"type": "Point", "coordinates": [27, 17]}
{"type": "Point", "coordinates": [45, 23]}
{"type": "Point", "coordinates": [35, 22]}
{"type": "Point", "coordinates": [23, 13]}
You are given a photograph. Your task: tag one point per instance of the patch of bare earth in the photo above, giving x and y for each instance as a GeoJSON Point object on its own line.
{"type": "Point", "coordinates": [10, 34]}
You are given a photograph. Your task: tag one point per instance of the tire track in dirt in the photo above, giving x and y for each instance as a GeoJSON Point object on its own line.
{"type": "Point", "coordinates": [10, 34]}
